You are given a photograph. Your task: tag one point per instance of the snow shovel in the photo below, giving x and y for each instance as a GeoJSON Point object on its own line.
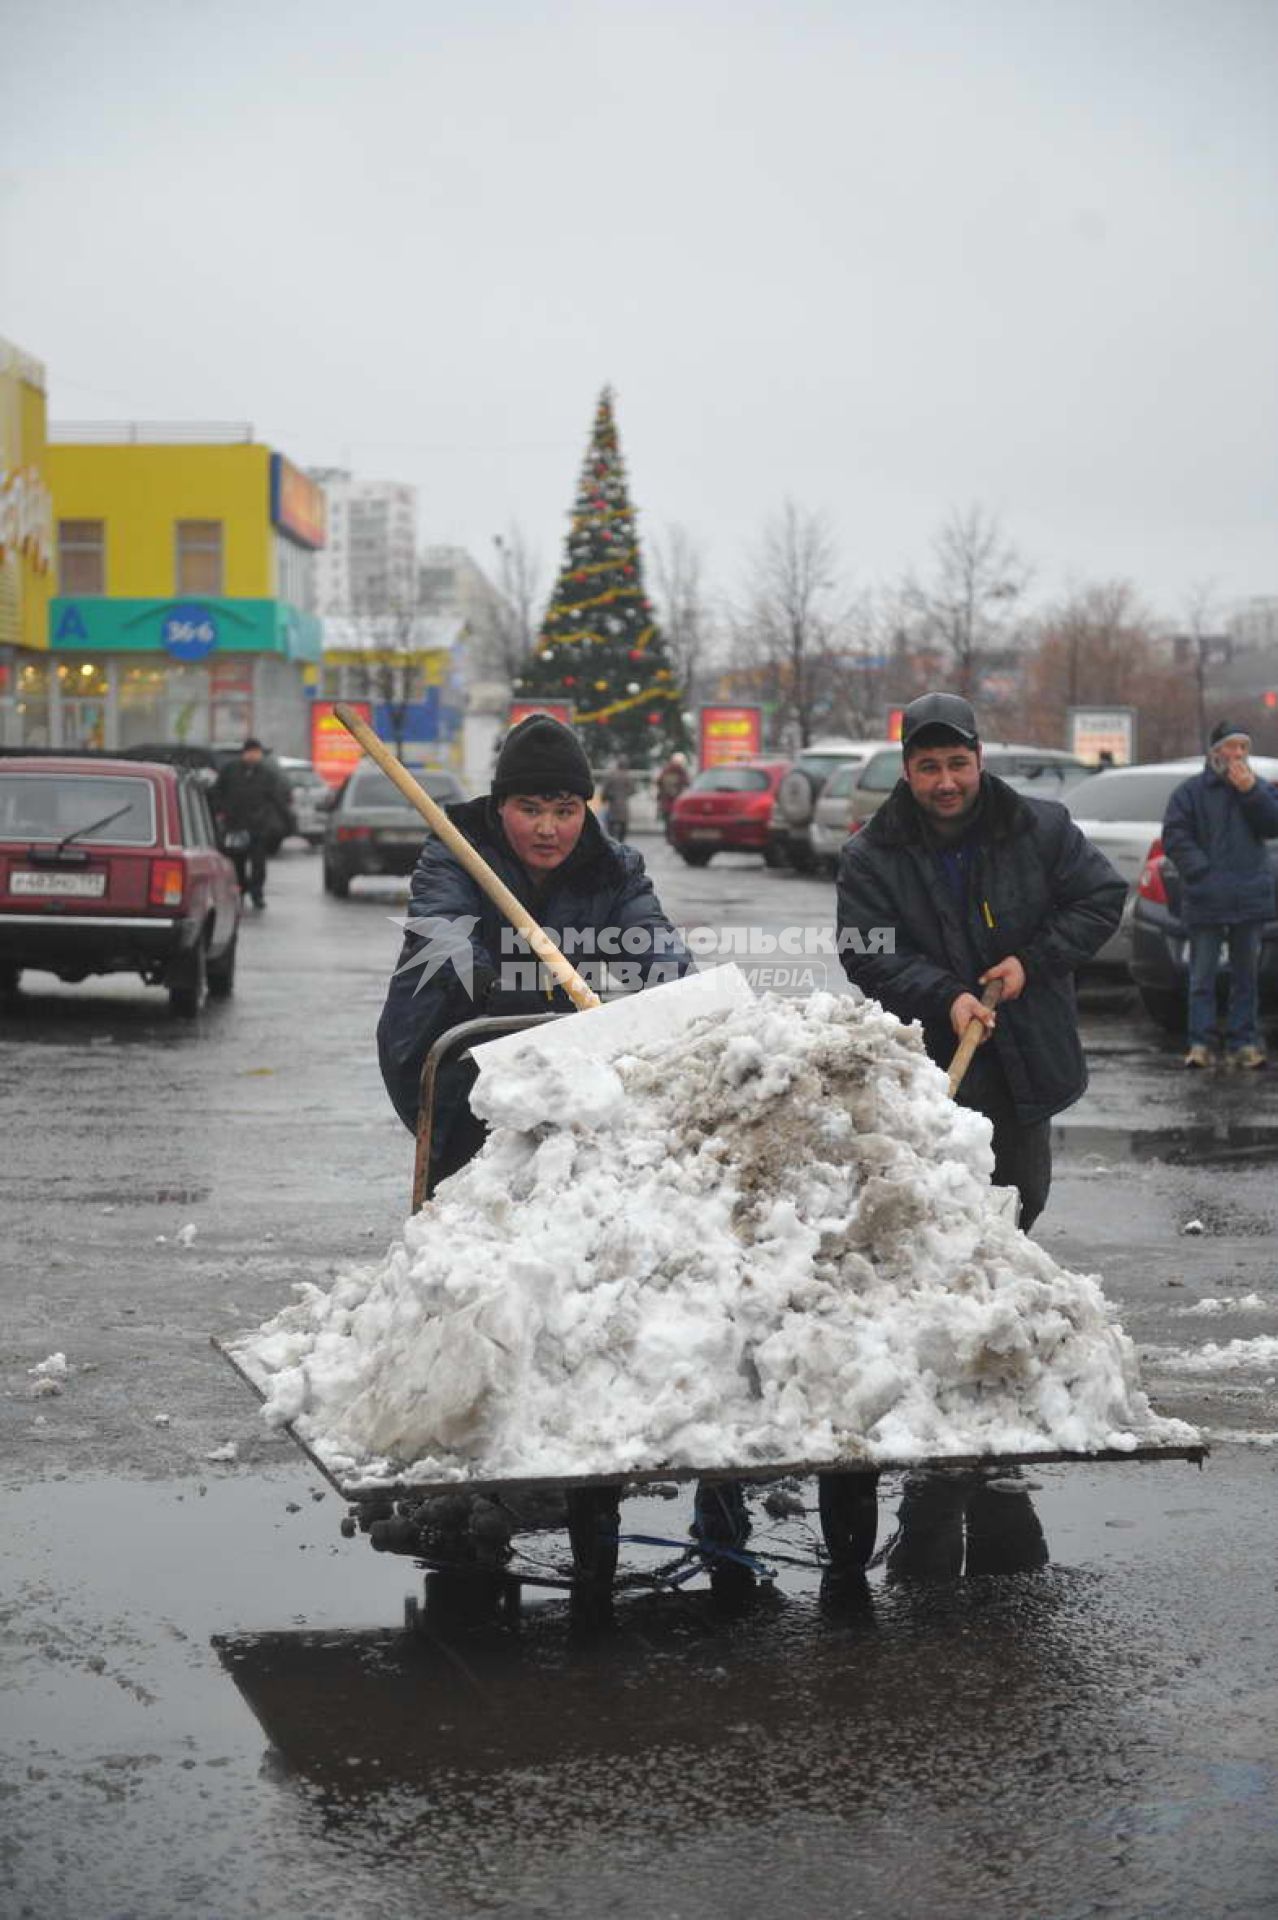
{"type": "Point", "coordinates": [972, 1038]}
{"type": "Point", "coordinates": [617, 1028]}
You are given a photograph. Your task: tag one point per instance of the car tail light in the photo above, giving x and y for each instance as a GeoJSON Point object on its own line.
{"type": "Point", "coordinates": [168, 883]}
{"type": "Point", "coordinates": [354, 833]}
{"type": "Point", "coordinates": [855, 826]}
{"type": "Point", "coordinates": [1150, 885]}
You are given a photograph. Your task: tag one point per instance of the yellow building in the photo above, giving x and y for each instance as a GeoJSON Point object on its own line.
{"type": "Point", "coordinates": [26, 548]}
{"type": "Point", "coordinates": [184, 603]}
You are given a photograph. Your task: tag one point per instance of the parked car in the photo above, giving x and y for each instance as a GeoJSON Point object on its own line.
{"type": "Point", "coordinates": [1158, 939]}
{"type": "Point", "coordinates": [857, 790]}
{"type": "Point", "coordinates": [791, 841]}
{"type": "Point", "coordinates": [112, 866]}
{"type": "Point", "coordinates": [371, 828]}
{"type": "Point", "coordinates": [310, 795]}
{"type": "Point", "coordinates": [1121, 811]}
{"type": "Point", "coordinates": [728, 810]}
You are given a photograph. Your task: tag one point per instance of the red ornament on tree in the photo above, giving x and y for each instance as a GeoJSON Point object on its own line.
{"type": "Point", "coordinates": [570, 679]}
{"type": "Point", "coordinates": [636, 653]}
{"type": "Point", "coordinates": [654, 719]}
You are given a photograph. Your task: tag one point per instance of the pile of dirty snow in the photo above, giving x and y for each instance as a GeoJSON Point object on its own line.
{"type": "Point", "coordinates": [768, 1237]}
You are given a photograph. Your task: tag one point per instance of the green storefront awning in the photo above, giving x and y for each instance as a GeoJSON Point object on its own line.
{"type": "Point", "coordinates": [184, 630]}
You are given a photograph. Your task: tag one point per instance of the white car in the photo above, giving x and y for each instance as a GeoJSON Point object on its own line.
{"type": "Point", "coordinates": [1121, 812]}
{"type": "Point", "coordinates": [792, 840]}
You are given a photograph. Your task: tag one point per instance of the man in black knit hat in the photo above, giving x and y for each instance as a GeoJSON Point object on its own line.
{"type": "Point", "coordinates": [459, 959]}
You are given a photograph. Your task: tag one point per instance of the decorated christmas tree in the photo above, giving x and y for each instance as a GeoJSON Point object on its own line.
{"type": "Point", "coordinates": [600, 650]}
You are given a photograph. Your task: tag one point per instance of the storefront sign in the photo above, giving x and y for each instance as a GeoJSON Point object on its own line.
{"type": "Point", "coordinates": [1104, 736]}
{"type": "Point", "coordinates": [725, 734]}
{"type": "Point", "coordinates": [188, 631]}
{"type": "Point", "coordinates": [520, 710]}
{"type": "Point", "coordinates": [335, 754]}
{"type": "Point", "coordinates": [298, 504]}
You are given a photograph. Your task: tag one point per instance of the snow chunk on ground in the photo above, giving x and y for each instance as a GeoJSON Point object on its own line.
{"type": "Point", "coordinates": [1235, 1356]}
{"type": "Point", "coordinates": [770, 1237]}
{"type": "Point", "coordinates": [1210, 1305]}
{"type": "Point", "coordinates": [54, 1368]}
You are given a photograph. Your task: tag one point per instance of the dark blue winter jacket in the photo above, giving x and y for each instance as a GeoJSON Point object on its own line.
{"type": "Point", "coordinates": [913, 940]}
{"type": "Point", "coordinates": [1216, 837]}
{"type": "Point", "coordinates": [599, 906]}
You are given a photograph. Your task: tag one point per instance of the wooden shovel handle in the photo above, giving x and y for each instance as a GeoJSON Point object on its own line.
{"type": "Point", "coordinates": [498, 892]}
{"type": "Point", "coordinates": [972, 1037]}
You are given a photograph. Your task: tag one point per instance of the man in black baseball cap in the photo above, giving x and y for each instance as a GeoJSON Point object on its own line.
{"type": "Point", "coordinates": [958, 882]}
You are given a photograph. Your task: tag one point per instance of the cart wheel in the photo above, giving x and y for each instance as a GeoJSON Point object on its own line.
{"type": "Point", "coordinates": [849, 1507]}
{"type": "Point", "coordinates": [594, 1520]}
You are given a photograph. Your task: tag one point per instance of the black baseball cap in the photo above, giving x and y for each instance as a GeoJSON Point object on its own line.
{"type": "Point", "coordinates": [937, 720]}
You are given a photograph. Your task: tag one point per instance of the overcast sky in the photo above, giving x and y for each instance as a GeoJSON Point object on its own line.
{"type": "Point", "coordinates": [888, 257]}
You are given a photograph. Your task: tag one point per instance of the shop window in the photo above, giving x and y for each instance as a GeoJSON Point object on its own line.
{"type": "Point", "coordinates": [81, 557]}
{"type": "Point", "coordinates": [199, 556]}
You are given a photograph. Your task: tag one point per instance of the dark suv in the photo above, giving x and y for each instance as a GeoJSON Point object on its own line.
{"type": "Point", "coordinates": [371, 828]}
{"type": "Point", "coordinates": [112, 866]}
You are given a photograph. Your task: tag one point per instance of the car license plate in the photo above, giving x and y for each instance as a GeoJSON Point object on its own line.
{"type": "Point", "coordinates": [402, 836]}
{"type": "Point", "coordinates": [81, 886]}
{"type": "Point", "coordinates": [704, 833]}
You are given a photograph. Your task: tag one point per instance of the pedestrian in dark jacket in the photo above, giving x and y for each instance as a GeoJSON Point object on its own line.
{"type": "Point", "coordinates": [255, 813]}
{"type": "Point", "coordinates": [957, 881]}
{"type": "Point", "coordinates": [460, 958]}
{"type": "Point", "coordinates": [1215, 828]}
{"type": "Point", "coordinates": [615, 791]}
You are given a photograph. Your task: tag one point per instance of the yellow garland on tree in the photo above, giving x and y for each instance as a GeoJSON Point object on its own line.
{"type": "Point", "coordinates": [623, 706]}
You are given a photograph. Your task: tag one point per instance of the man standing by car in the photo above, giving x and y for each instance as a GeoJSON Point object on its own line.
{"type": "Point", "coordinates": [254, 811]}
{"type": "Point", "coordinates": [1214, 831]}
{"type": "Point", "coordinates": [962, 881]}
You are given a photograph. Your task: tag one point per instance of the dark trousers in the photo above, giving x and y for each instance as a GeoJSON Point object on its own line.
{"type": "Point", "coordinates": [1241, 1027]}
{"type": "Point", "coordinates": [1022, 1153]}
{"type": "Point", "coordinates": [250, 867]}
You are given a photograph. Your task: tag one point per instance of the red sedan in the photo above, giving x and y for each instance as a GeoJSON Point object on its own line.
{"type": "Point", "coordinates": [727, 810]}
{"type": "Point", "coordinates": [110, 866]}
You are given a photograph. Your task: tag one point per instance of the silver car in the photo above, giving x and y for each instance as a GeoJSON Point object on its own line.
{"type": "Point", "coordinates": [371, 828]}
{"type": "Point", "coordinates": [309, 793]}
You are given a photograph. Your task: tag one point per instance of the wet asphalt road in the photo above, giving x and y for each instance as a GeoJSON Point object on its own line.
{"type": "Point", "coordinates": [208, 1710]}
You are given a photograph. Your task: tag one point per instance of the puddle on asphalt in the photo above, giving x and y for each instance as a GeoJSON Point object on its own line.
{"type": "Point", "coordinates": [219, 1670]}
{"type": "Point", "coordinates": [1225, 1143]}
{"type": "Point", "coordinates": [115, 1591]}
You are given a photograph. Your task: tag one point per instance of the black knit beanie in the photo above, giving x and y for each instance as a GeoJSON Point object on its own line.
{"type": "Point", "coordinates": [1226, 730]}
{"type": "Point", "coordinates": [542, 756]}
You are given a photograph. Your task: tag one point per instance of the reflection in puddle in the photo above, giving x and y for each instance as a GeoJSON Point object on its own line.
{"type": "Point", "coordinates": [1225, 1142]}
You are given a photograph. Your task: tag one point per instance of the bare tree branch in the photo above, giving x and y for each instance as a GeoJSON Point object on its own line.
{"type": "Point", "coordinates": [678, 567]}
{"type": "Point", "coordinates": [967, 607]}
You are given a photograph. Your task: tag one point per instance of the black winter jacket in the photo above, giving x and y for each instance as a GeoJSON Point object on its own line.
{"type": "Point", "coordinates": [1053, 899]}
{"type": "Point", "coordinates": [1216, 837]}
{"type": "Point", "coordinates": [252, 798]}
{"type": "Point", "coordinates": [602, 888]}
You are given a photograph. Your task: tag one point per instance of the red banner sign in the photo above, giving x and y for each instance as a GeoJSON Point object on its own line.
{"type": "Point", "coordinates": [335, 754]}
{"type": "Point", "coordinates": [520, 710]}
{"type": "Point", "coordinates": [726, 734]}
